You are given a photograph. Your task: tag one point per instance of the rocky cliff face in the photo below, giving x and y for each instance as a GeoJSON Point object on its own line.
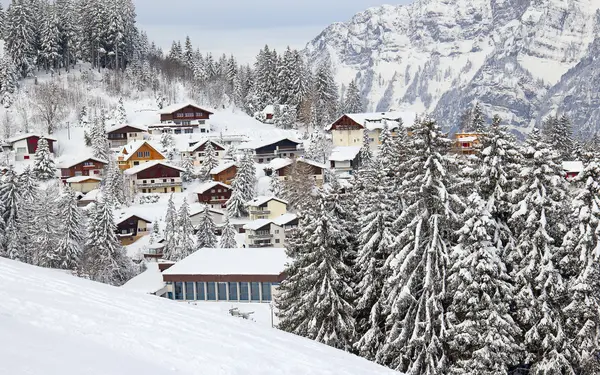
{"type": "Point", "coordinates": [517, 57]}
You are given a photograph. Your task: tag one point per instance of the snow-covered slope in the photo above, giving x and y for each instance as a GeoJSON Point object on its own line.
{"type": "Point", "coordinates": [56, 324]}
{"type": "Point", "coordinates": [440, 55]}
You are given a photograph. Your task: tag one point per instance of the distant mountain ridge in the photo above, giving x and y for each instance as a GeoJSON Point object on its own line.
{"type": "Point", "coordinates": [522, 59]}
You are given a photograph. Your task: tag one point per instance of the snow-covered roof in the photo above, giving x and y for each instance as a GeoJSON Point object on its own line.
{"type": "Point", "coordinates": [198, 208]}
{"type": "Point", "coordinates": [244, 261]}
{"type": "Point", "coordinates": [68, 163]}
{"type": "Point", "coordinates": [344, 153]}
{"type": "Point", "coordinates": [259, 201]}
{"type": "Point", "coordinates": [253, 145]}
{"type": "Point", "coordinates": [285, 219]}
{"type": "Point", "coordinates": [257, 224]}
{"type": "Point", "coordinates": [175, 107]}
{"type": "Point", "coordinates": [110, 129]}
{"type": "Point", "coordinates": [199, 144]}
{"type": "Point", "coordinates": [77, 179]}
{"type": "Point", "coordinates": [132, 148]}
{"type": "Point", "coordinates": [19, 137]}
{"type": "Point", "coordinates": [222, 167]}
{"type": "Point", "coordinates": [278, 163]}
{"type": "Point", "coordinates": [209, 185]}
{"type": "Point", "coordinates": [150, 281]}
{"type": "Point", "coordinates": [572, 166]}
{"type": "Point", "coordinates": [467, 139]}
{"type": "Point", "coordinates": [92, 195]}
{"type": "Point", "coordinates": [270, 109]}
{"type": "Point", "coordinates": [126, 215]}
{"type": "Point", "coordinates": [142, 167]}
{"type": "Point", "coordinates": [376, 120]}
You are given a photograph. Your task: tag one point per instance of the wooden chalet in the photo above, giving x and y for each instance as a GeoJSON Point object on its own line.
{"type": "Point", "coordinates": [155, 177]}
{"type": "Point", "coordinates": [197, 151]}
{"type": "Point", "coordinates": [215, 194]}
{"type": "Point", "coordinates": [25, 145]}
{"type": "Point", "coordinates": [121, 135]}
{"type": "Point", "coordinates": [184, 118]}
{"type": "Point", "coordinates": [282, 148]}
{"type": "Point", "coordinates": [228, 275]}
{"type": "Point", "coordinates": [131, 227]}
{"type": "Point", "coordinates": [349, 128]}
{"type": "Point", "coordinates": [86, 166]}
{"type": "Point", "coordinates": [284, 167]}
{"type": "Point", "coordinates": [137, 153]}
{"type": "Point", "coordinates": [466, 143]}
{"type": "Point", "coordinates": [224, 173]}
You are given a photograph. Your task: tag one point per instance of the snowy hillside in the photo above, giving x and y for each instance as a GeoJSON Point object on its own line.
{"type": "Point", "coordinates": [439, 56]}
{"type": "Point", "coordinates": [59, 324]}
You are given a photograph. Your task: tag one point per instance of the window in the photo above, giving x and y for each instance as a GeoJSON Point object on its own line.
{"type": "Point", "coordinates": [210, 292]}
{"type": "Point", "coordinates": [200, 291]}
{"type": "Point", "coordinates": [255, 291]}
{"type": "Point", "coordinates": [144, 181]}
{"type": "Point", "coordinates": [151, 181]}
{"type": "Point", "coordinates": [178, 290]}
{"type": "Point", "coordinates": [233, 294]}
{"type": "Point", "coordinates": [146, 154]}
{"type": "Point", "coordinates": [136, 163]}
{"type": "Point", "coordinates": [185, 123]}
{"type": "Point", "coordinates": [243, 291]}
{"type": "Point", "coordinates": [188, 131]}
{"type": "Point", "coordinates": [172, 180]}
{"type": "Point", "coordinates": [189, 291]}
{"type": "Point", "coordinates": [266, 291]}
{"type": "Point", "coordinates": [88, 164]}
{"type": "Point", "coordinates": [78, 173]}
{"type": "Point", "coordinates": [199, 114]}
{"type": "Point", "coordinates": [164, 180]}
{"type": "Point", "coordinates": [191, 114]}
{"type": "Point", "coordinates": [260, 160]}
{"type": "Point", "coordinates": [222, 289]}
{"type": "Point", "coordinates": [173, 189]}
{"type": "Point", "coordinates": [21, 150]}
{"type": "Point", "coordinates": [143, 190]}
{"type": "Point", "coordinates": [180, 115]}
{"type": "Point", "coordinates": [140, 154]}
{"type": "Point", "coordinates": [276, 231]}
{"type": "Point", "coordinates": [177, 131]}
{"type": "Point", "coordinates": [170, 295]}
{"type": "Point", "coordinates": [277, 240]}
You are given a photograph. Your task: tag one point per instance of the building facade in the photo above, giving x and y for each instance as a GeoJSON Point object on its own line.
{"type": "Point", "coordinates": [344, 160]}
{"type": "Point", "coordinates": [283, 148]}
{"type": "Point", "coordinates": [25, 145]}
{"type": "Point", "coordinates": [215, 194]}
{"type": "Point", "coordinates": [155, 177]}
{"type": "Point", "coordinates": [184, 118]}
{"type": "Point", "coordinates": [224, 173]}
{"type": "Point", "coordinates": [197, 151]}
{"type": "Point", "coordinates": [266, 208]}
{"type": "Point", "coordinates": [83, 184]}
{"type": "Point", "coordinates": [121, 135]}
{"type": "Point", "coordinates": [89, 166]}
{"type": "Point", "coordinates": [131, 228]}
{"type": "Point", "coordinates": [137, 153]}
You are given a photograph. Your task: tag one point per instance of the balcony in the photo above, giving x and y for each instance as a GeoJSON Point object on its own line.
{"type": "Point", "coordinates": [254, 211]}
{"type": "Point", "coordinates": [260, 235]}
{"type": "Point", "coordinates": [158, 184]}
{"type": "Point", "coordinates": [258, 245]}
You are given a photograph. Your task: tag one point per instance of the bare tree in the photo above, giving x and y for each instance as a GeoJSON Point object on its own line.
{"type": "Point", "coordinates": [299, 185]}
{"type": "Point", "coordinates": [49, 100]}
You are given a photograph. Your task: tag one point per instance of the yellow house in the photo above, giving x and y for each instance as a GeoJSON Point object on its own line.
{"type": "Point", "coordinates": [266, 208]}
{"type": "Point", "coordinates": [132, 227]}
{"type": "Point", "coordinates": [466, 143]}
{"type": "Point", "coordinates": [83, 184]}
{"type": "Point", "coordinates": [136, 153]}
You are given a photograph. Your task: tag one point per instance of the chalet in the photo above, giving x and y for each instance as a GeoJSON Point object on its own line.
{"type": "Point", "coordinates": [264, 152]}
{"type": "Point", "coordinates": [89, 197]}
{"type": "Point", "coordinates": [184, 118]}
{"type": "Point", "coordinates": [218, 216]}
{"type": "Point", "coordinates": [572, 169]}
{"type": "Point", "coordinates": [466, 143]}
{"type": "Point", "coordinates": [197, 151]}
{"type": "Point", "coordinates": [224, 173]}
{"type": "Point", "coordinates": [123, 134]}
{"type": "Point", "coordinates": [348, 130]}
{"type": "Point", "coordinates": [284, 167]}
{"type": "Point", "coordinates": [282, 226]}
{"type": "Point", "coordinates": [215, 194]}
{"type": "Point", "coordinates": [229, 275]}
{"type": "Point", "coordinates": [131, 227]}
{"type": "Point", "coordinates": [344, 160]}
{"type": "Point", "coordinates": [155, 177]}
{"type": "Point", "coordinates": [83, 184]}
{"type": "Point", "coordinates": [266, 208]}
{"type": "Point", "coordinates": [154, 252]}
{"type": "Point", "coordinates": [137, 153]}
{"type": "Point", "coordinates": [229, 139]}
{"type": "Point", "coordinates": [85, 166]}
{"type": "Point", "coordinates": [259, 233]}
{"type": "Point", "coordinates": [25, 145]}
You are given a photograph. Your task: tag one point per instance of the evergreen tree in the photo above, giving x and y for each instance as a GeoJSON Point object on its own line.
{"type": "Point", "coordinates": [245, 180]}
{"type": "Point", "coordinates": [206, 237]}
{"type": "Point", "coordinates": [188, 174]}
{"type": "Point", "coordinates": [45, 233]}
{"type": "Point", "coordinates": [185, 240]}
{"type": "Point", "coordinates": [228, 235]}
{"type": "Point", "coordinates": [210, 160]}
{"type": "Point", "coordinates": [482, 336]}
{"type": "Point", "coordinates": [315, 299]}
{"type": "Point", "coordinates": [49, 55]}
{"type": "Point", "coordinates": [558, 134]}
{"type": "Point", "coordinates": [99, 141]}
{"type": "Point", "coordinates": [419, 260]}
{"type": "Point", "coordinates": [275, 185]}
{"type": "Point", "coordinates": [298, 188]}
{"type": "Point", "coordinates": [20, 36]}
{"type": "Point", "coordinates": [68, 251]}
{"type": "Point", "coordinates": [366, 155]}
{"type": "Point", "coordinates": [578, 264]}
{"type": "Point", "coordinates": [353, 102]}
{"type": "Point", "coordinates": [8, 81]}
{"type": "Point", "coordinates": [236, 205]}
{"type": "Point", "coordinates": [536, 222]}
{"type": "Point", "coordinates": [171, 249]}
{"type": "Point", "coordinates": [43, 166]}
{"type": "Point", "coordinates": [325, 95]}
{"type": "Point", "coordinates": [121, 114]}
{"type": "Point", "coordinates": [319, 148]}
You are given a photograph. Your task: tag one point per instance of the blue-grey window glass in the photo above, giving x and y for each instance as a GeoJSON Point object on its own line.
{"type": "Point", "coordinates": [189, 291]}
{"type": "Point", "coordinates": [211, 294]}
{"type": "Point", "coordinates": [255, 291]}
{"type": "Point", "coordinates": [233, 294]}
{"type": "Point", "coordinates": [222, 288]}
{"type": "Point", "coordinates": [178, 290]}
{"type": "Point", "coordinates": [200, 291]}
{"type": "Point", "coordinates": [243, 291]}
{"type": "Point", "coordinates": [266, 291]}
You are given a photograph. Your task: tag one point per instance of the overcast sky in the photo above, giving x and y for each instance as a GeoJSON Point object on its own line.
{"type": "Point", "coordinates": [242, 27]}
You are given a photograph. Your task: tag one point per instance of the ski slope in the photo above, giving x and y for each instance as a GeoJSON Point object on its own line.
{"type": "Point", "coordinates": [56, 324]}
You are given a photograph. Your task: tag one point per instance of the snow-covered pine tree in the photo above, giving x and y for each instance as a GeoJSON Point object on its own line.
{"type": "Point", "coordinates": [43, 166]}
{"type": "Point", "coordinates": [275, 185]}
{"type": "Point", "coordinates": [20, 36]}
{"type": "Point", "coordinates": [104, 258]}
{"type": "Point", "coordinates": [537, 223]}
{"type": "Point", "coordinates": [315, 299]}
{"type": "Point", "coordinates": [188, 174]}
{"type": "Point", "coordinates": [11, 194]}
{"type": "Point", "coordinates": [419, 261]}
{"type": "Point", "coordinates": [558, 134]}
{"type": "Point", "coordinates": [236, 205]}
{"type": "Point", "coordinates": [114, 183]}
{"type": "Point", "coordinates": [210, 160]}
{"type": "Point", "coordinates": [48, 54]}
{"type": "Point", "coordinates": [325, 95]}
{"type": "Point", "coordinates": [46, 232]}
{"type": "Point", "coordinates": [352, 101]}
{"type": "Point", "coordinates": [319, 147]}
{"type": "Point", "coordinates": [8, 81]}
{"type": "Point", "coordinates": [228, 235]}
{"type": "Point", "coordinates": [185, 232]}
{"type": "Point", "coordinates": [170, 233]}
{"type": "Point", "coordinates": [206, 237]}
{"type": "Point", "coordinates": [70, 244]}
{"type": "Point", "coordinates": [365, 155]}
{"type": "Point", "coordinates": [99, 142]}
{"type": "Point", "coordinates": [482, 337]}
{"type": "Point", "coordinates": [121, 114]}
{"type": "Point", "coordinates": [166, 141]}
{"type": "Point", "coordinates": [246, 179]}
{"type": "Point", "coordinates": [578, 264]}
{"type": "Point", "coordinates": [28, 184]}
{"type": "Point", "coordinates": [3, 252]}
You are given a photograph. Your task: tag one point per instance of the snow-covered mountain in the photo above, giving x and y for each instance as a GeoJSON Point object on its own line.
{"type": "Point", "coordinates": [439, 56]}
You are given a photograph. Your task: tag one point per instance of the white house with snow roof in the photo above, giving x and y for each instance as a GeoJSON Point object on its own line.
{"type": "Point", "coordinates": [264, 207]}
{"type": "Point", "coordinates": [348, 130]}
{"type": "Point", "coordinates": [197, 151]}
{"type": "Point", "coordinates": [227, 275]}
{"type": "Point", "coordinates": [344, 160]}
{"type": "Point", "coordinates": [572, 169]}
{"type": "Point", "coordinates": [25, 145]}
{"type": "Point", "coordinates": [196, 211]}
{"type": "Point", "coordinates": [155, 177]}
